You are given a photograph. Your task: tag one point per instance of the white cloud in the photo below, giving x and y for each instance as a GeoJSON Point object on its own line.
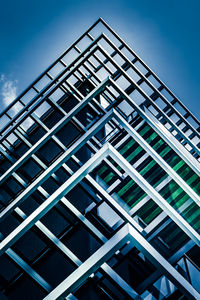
{"type": "Point", "coordinates": [2, 77]}
{"type": "Point", "coordinates": [8, 90]}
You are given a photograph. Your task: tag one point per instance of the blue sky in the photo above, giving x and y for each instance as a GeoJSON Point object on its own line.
{"type": "Point", "coordinates": [164, 33]}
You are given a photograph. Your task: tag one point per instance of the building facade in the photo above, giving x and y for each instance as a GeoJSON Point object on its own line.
{"type": "Point", "coordinates": [100, 189]}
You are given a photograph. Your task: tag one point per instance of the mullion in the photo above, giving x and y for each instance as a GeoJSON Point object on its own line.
{"type": "Point", "coordinates": [119, 138]}
{"type": "Point", "coordinates": [129, 189]}
{"type": "Point", "coordinates": [136, 155]}
{"type": "Point", "coordinates": [192, 214]}
{"type": "Point", "coordinates": [171, 193]}
{"type": "Point", "coordinates": [125, 186]}
{"type": "Point", "coordinates": [169, 234]}
{"type": "Point", "coordinates": [174, 236]}
{"type": "Point", "coordinates": [155, 175]}
{"type": "Point", "coordinates": [108, 174]}
{"type": "Point", "coordinates": [109, 178]}
{"type": "Point", "coordinates": [10, 150]}
{"type": "Point", "coordinates": [125, 146]}
{"type": "Point", "coordinates": [97, 78]}
{"type": "Point", "coordinates": [149, 211]}
{"type": "Point", "coordinates": [195, 185]}
{"type": "Point", "coordinates": [99, 223]}
{"type": "Point", "coordinates": [132, 198]}
{"type": "Point", "coordinates": [77, 92]}
{"type": "Point", "coordinates": [136, 121]}
{"type": "Point", "coordinates": [130, 150]}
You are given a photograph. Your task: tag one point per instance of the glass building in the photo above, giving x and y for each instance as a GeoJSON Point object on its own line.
{"type": "Point", "coordinates": [100, 189]}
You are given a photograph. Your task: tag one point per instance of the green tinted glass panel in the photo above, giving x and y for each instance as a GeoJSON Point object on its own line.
{"type": "Point", "coordinates": [131, 193]}
{"type": "Point", "coordinates": [169, 155]}
{"type": "Point", "coordinates": [149, 211]}
{"type": "Point", "coordinates": [173, 236]}
{"type": "Point", "coordinates": [192, 215]}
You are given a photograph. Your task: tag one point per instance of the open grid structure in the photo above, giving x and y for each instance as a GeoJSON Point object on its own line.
{"type": "Point", "coordinates": [100, 190]}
